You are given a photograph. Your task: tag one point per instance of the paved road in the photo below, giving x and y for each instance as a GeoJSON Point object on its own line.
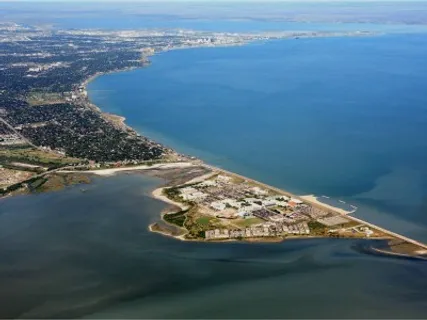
{"type": "Point", "coordinates": [47, 172]}
{"type": "Point", "coordinates": [7, 124]}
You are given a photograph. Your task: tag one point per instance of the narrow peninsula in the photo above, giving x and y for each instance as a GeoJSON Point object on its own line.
{"type": "Point", "coordinates": [51, 136]}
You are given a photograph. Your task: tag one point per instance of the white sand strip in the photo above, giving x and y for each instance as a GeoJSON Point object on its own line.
{"type": "Point", "coordinates": [158, 194]}
{"type": "Point", "coordinates": [313, 199]}
{"type": "Point", "coordinates": [112, 171]}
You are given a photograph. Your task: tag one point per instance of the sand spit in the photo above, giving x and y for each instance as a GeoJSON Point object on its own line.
{"type": "Point", "coordinates": [313, 199]}
{"type": "Point", "coordinates": [112, 171]}
{"type": "Point", "coordinates": [158, 194]}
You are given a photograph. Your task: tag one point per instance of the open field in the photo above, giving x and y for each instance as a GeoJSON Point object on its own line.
{"type": "Point", "coordinates": [244, 223]}
{"type": "Point", "coordinates": [43, 98]}
{"type": "Point", "coordinates": [10, 176]}
{"type": "Point", "coordinates": [34, 156]}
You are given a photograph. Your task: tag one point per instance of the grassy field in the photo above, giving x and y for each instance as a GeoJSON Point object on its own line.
{"type": "Point", "coordinates": [39, 98]}
{"type": "Point", "coordinates": [316, 228]}
{"type": "Point", "coordinates": [176, 218]}
{"type": "Point", "coordinates": [244, 223]}
{"type": "Point", "coordinates": [204, 221]}
{"type": "Point", "coordinates": [33, 156]}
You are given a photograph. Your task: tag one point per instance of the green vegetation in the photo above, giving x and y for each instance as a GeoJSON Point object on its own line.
{"type": "Point", "coordinates": [37, 183]}
{"type": "Point", "coordinates": [243, 223]}
{"type": "Point", "coordinates": [172, 193]}
{"type": "Point", "coordinates": [32, 183]}
{"type": "Point", "coordinates": [50, 182]}
{"type": "Point", "coordinates": [37, 98]}
{"type": "Point", "coordinates": [317, 228]}
{"type": "Point", "coordinates": [197, 224]}
{"type": "Point", "coordinates": [34, 156]}
{"type": "Point", "coordinates": [204, 221]}
{"type": "Point", "coordinates": [177, 218]}
{"type": "Point", "coordinates": [55, 182]}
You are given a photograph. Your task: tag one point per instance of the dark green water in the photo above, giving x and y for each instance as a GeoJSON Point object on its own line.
{"type": "Point", "coordinates": [73, 254]}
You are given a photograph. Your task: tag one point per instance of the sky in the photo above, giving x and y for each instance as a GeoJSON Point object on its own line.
{"type": "Point", "coordinates": [213, 0]}
{"type": "Point", "coordinates": [354, 11]}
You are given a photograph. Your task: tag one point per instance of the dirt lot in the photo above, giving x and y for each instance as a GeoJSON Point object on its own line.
{"type": "Point", "coordinates": [8, 176]}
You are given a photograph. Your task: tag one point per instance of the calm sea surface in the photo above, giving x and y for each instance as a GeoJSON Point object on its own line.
{"type": "Point", "coordinates": [73, 254]}
{"type": "Point", "coordinates": [342, 117]}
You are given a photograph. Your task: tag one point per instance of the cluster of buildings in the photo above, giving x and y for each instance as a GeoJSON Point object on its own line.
{"type": "Point", "coordinates": [47, 66]}
{"type": "Point", "coordinates": [11, 139]}
{"type": "Point", "coordinates": [223, 197]}
{"type": "Point", "coordinates": [257, 231]}
{"type": "Point", "coordinates": [234, 199]}
{"type": "Point", "coordinates": [192, 194]}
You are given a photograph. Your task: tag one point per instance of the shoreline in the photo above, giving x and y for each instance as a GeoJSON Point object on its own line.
{"type": "Point", "coordinates": [157, 193]}
{"type": "Point", "coordinates": [113, 171]}
{"type": "Point", "coordinates": [396, 254]}
{"type": "Point", "coordinates": [272, 239]}
{"type": "Point", "coordinates": [313, 199]}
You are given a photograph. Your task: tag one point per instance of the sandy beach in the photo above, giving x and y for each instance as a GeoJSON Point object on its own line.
{"type": "Point", "coordinates": [112, 171]}
{"type": "Point", "coordinates": [158, 194]}
{"type": "Point", "coordinates": [396, 254]}
{"type": "Point", "coordinates": [202, 178]}
{"type": "Point", "coordinates": [313, 199]}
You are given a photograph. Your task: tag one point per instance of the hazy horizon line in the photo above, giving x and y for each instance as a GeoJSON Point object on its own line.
{"type": "Point", "coordinates": [223, 1]}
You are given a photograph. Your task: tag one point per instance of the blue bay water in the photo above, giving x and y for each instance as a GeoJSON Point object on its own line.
{"type": "Point", "coordinates": [222, 25]}
{"type": "Point", "coordinates": [306, 115]}
{"type": "Point", "coordinates": [344, 117]}
{"type": "Point", "coordinates": [73, 254]}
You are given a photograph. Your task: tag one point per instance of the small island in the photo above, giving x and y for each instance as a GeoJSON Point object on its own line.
{"type": "Point", "coordinates": [219, 206]}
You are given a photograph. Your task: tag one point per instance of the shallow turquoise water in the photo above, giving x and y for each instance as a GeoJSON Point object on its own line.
{"type": "Point", "coordinates": [343, 117]}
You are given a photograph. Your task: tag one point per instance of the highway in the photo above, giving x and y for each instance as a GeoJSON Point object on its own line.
{"type": "Point", "coordinates": [7, 124]}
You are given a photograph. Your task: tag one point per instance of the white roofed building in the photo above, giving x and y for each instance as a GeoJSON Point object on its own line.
{"type": "Point", "coordinates": [258, 191]}
{"type": "Point", "coordinates": [218, 205]}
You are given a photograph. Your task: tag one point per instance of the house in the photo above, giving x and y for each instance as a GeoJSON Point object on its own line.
{"type": "Point", "coordinates": [232, 203]}
{"type": "Point", "coordinates": [269, 203]}
{"type": "Point", "coordinates": [296, 201]}
{"type": "Point", "coordinates": [253, 207]}
{"type": "Point", "coordinates": [188, 190]}
{"type": "Point", "coordinates": [243, 214]}
{"type": "Point", "coordinates": [194, 196]}
{"type": "Point", "coordinates": [218, 205]}
{"type": "Point", "coordinates": [277, 218]}
{"type": "Point", "coordinates": [258, 191]}
{"type": "Point", "coordinates": [222, 178]}
{"type": "Point", "coordinates": [207, 183]}
{"type": "Point", "coordinates": [293, 202]}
